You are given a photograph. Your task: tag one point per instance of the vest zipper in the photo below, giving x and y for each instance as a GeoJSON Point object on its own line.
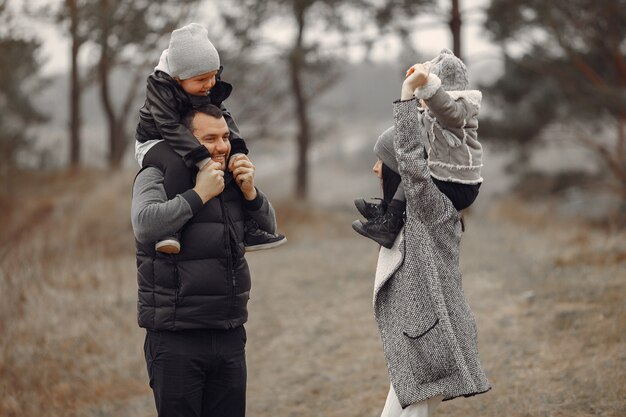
{"type": "Point", "coordinates": [231, 267]}
{"type": "Point", "coordinates": [177, 282]}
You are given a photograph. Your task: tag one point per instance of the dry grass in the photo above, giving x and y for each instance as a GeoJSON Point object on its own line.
{"type": "Point", "coordinates": [548, 295]}
{"type": "Point", "coordinates": [66, 268]}
{"type": "Point", "coordinates": [565, 318]}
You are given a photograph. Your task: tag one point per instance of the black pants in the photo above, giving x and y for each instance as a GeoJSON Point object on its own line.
{"type": "Point", "coordinates": [461, 195]}
{"type": "Point", "coordinates": [199, 373]}
{"type": "Point", "coordinates": [175, 172]}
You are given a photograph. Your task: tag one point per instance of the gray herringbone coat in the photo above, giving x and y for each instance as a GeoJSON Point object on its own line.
{"type": "Point", "coordinates": [426, 326]}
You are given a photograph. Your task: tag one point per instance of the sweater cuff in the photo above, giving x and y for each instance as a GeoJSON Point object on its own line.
{"type": "Point", "coordinates": [194, 200]}
{"type": "Point", "coordinates": [257, 203]}
{"type": "Point", "coordinates": [196, 155]}
{"type": "Point", "coordinates": [238, 145]}
{"type": "Point", "coordinates": [429, 89]}
{"type": "Point", "coordinates": [404, 101]}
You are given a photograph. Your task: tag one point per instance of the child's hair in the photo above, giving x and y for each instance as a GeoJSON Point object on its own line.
{"type": "Point", "coordinates": [390, 181]}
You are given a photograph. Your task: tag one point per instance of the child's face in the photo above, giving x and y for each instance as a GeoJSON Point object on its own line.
{"type": "Point", "coordinates": [200, 85]}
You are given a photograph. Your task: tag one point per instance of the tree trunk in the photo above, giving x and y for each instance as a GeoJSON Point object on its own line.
{"type": "Point", "coordinates": [104, 68]}
{"type": "Point", "coordinates": [115, 124]}
{"type": "Point", "coordinates": [455, 27]}
{"type": "Point", "coordinates": [117, 141]}
{"type": "Point", "coordinates": [75, 87]}
{"type": "Point", "coordinates": [621, 157]}
{"type": "Point", "coordinates": [296, 68]}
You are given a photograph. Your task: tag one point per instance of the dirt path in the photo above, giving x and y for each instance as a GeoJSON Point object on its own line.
{"type": "Point", "coordinates": [551, 328]}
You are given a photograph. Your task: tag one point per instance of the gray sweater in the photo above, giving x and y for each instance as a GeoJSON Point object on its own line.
{"type": "Point", "coordinates": [427, 328]}
{"type": "Point", "coordinates": [153, 217]}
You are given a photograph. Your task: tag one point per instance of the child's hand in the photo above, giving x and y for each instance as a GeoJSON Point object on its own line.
{"type": "Point", "coordinates": [416, 76]}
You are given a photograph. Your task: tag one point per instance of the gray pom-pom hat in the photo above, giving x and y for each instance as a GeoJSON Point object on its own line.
{"type": "Point", "coordinates": [451, 71]}
{"type": "Point", "coordinates": [190, 53]}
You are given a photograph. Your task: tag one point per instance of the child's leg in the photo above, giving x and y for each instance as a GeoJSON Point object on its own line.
{"type": "Point", "coordinates": [142, 148]}
{"type": "Point", "coordinates": [461, 195]}
{"type": "Point", "coordinates": [175, 172]}
{"type": "Point", "coordinates": [176, 180]}
{"type": "Point", "coordinates": [385, 228]}
{"type": "Point", "coordinates": [256, 238]}
{"type": "Point", "coordinates": [398, 203]}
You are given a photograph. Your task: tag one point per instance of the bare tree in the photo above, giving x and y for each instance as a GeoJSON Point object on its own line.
{"type": "Point", "coordinates": [127, 35]}
{"type": "Point", "coordinates": [19, 66]}
{"type": "Point", "coordinates": [77, 39]}
{"type": "Point", "coordinates": [572, 73]}
{"type": "Point", "coordinates": [455, 28]}
{"type": "Point", "coordinates": [310, 71]}
{"type": "Point", "coordinates": [73, 15]}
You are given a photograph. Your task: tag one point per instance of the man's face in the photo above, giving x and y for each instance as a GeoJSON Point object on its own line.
{"type": "Point", "coordinates": [213, 134]}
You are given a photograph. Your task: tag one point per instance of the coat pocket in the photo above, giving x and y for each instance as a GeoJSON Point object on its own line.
{"type": "Point", "coordinates": [417, 334]}
{"type": "Point", "coordinates": [429, 353]}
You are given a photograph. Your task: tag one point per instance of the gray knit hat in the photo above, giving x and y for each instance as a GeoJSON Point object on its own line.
{"type": "Point", "coordinates": [451, 71]}
{"type": "Point", "coordinates": [385, 150]}
{"type": "Point", "coordinates": [191, 52]}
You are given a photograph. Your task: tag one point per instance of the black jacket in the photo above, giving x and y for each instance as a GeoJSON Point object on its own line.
{"type": "Point", "coordinates": [166, 103]}
{"type": "Point", "coordinates": [207, 285]}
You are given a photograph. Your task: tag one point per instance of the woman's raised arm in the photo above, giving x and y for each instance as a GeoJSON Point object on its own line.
{"type": "Point", "coordinates": [422, 196]}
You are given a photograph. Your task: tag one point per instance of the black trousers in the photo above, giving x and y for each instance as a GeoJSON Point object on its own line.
{"type": "Point", "coordinates": [175, 172]}
{"type": "Point", "coordinates": [199, 373]}
{"type": "Point", "coordinates": [461, 195]}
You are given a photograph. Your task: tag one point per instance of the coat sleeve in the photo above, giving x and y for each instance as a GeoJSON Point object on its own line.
{"type": "Point", "coordinates": [449, 113]}
{"type": "Point", "coordinates": [424, 200]}
{"type": "Point", "coordinates": [237, 143]}
{"type": "Point", "coordinates": [162, 105]}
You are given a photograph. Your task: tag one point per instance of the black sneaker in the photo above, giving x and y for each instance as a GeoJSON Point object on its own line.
{"type": "Point", "coordinates": [382, 229]}
{"type": "Point", "coordinates": [169, 245]}
{"type": "Point", "coordinates": [256, 238]}
{"type": "Point", "coordinates": [369, 209]}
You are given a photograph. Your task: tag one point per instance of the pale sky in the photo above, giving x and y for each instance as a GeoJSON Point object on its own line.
{"type": "Point", "coordinates": [477, 48]}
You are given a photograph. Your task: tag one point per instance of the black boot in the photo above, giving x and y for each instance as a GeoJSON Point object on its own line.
{"type": "Point", "coordinates": [383, 229]}
{"type": "Point", "coordinates": [370, 209]}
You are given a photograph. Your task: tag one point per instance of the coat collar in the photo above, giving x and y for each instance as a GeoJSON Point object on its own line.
{"type": "Point", "coordinates": [389, 260]}
{"type": "Point", "coordinates": [474, 97]}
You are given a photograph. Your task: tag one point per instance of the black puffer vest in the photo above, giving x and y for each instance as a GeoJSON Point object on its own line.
{"type": "Point", "coordinates": [207, 285]}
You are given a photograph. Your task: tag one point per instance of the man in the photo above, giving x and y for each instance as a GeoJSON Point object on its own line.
{"type": "Point", "coordinates": [194, 304]}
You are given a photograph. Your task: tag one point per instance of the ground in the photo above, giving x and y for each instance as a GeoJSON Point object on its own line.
{"type": "Point", "coordinates": [548, 294]}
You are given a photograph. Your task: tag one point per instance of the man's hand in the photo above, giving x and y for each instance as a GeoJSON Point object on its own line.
{"type": "Point", "coordinates": [209, 181]}
{"type": "Point", "coordinates": [243, 172]}
{"type": "Point", "coordinates": [416, 76]}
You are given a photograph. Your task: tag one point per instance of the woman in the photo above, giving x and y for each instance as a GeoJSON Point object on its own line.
{"type": "Point", "coordinates": [426, 326]}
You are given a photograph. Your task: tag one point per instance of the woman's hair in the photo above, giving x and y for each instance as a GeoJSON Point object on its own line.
{"type": "Point", "coordinates": [390, 182]}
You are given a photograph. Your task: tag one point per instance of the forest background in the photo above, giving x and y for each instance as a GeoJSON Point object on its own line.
{"type": "Point", "coordinates": [543, 257]}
